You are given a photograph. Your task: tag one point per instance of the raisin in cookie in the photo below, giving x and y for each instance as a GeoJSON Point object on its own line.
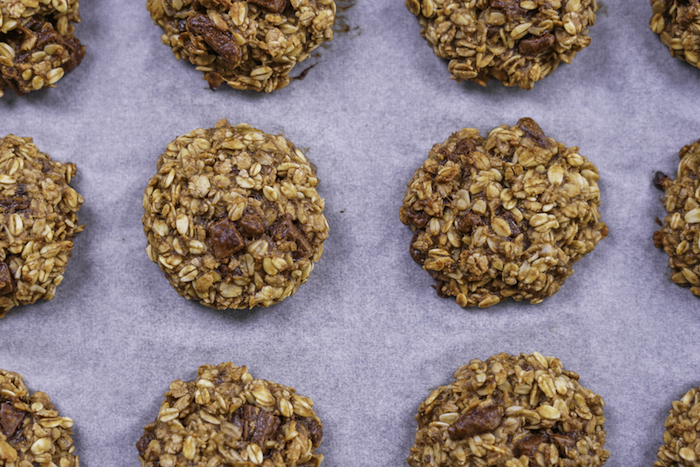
{"type": "Point", "coordinates": [513, 412]}
{"type": "Point", "coordinates": [250, 45]}
{"type": "Point", "coordinates": [233, 217]}
{"type": "Point", "coordinates": [676, 22]}
{"type": "Point", "coordinates": [517, 42]}
{"type": "Point", "coordinates": [31, 431]}
{"type": "Point", "coordinates": [39, 213]}
{"type": "Point", "coordinates": [37, 45]}
{"type": "Point", "coordinates": [681, 446]}
{"type": "Point", "coordinates": [226, 417]}
{"type": "Point", "coordinates": [505, 216]}
{"type": "Point", "coordinates": [680, 235]}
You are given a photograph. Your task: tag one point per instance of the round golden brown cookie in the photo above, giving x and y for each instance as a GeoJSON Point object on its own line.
{"type": "Point", "coordinates": [233, 217]}
{"type": "Point", "coordinates": [681, 446]}
{"type": "Point", "coordinates": [250, 45]}
{"type": "Point", "coordinates": [680, 235]}
{"type": "Point", "coordinates": [676, 22]}
{"type": "Point", "coordinates": [31, 431]}
{"type": "Point", "coordinates": [37, 45]}
{"type": "Point", "coordinates": [516, 42]}
{"type": "Point", "coordinates": [505, 216]}
{"type": "Point", "coordinates": [226, 417]}
{"type": "Point", "coordinates": [513, 412]}
{"type": "Point", "coordinates": [38, 212]}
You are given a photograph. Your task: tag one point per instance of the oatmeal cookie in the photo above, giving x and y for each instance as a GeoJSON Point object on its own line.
{"type": "Point", "coordinates": [517, 42]}
{"type": "Point", "coordinates": [680, 235]}
{"type": "Point", "coordinates": [38, 214]}
{"type": "Point", "coordinates": [677, 23]}
{"type": "Point", "coordinates": [250, 45]}
{"type": "Point", "coordinates": [233, 217]}
{"type": "Point", "coordinates": [505, 216]}
{"type": "Point", "coordinates": [512, 412]}
{"type": "Point", "coordinates": [226, 417]}
{"type": "Point", "coordinates": [37, 45]}
{"type": "Point", "coordinates": [681, 446]}
{"type": "Point", "coordinates": [31, 431]}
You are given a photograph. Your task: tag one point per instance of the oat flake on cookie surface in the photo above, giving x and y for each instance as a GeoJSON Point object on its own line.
{"type": "Point", "coordinates": [38, 214]}
{"type": "Point", "coordinates": [37, 45]}
{"type": "Point", "coordinates": [250, 45]}
{"type": "Point", "coordinates": [677, 22]}
{"type": "Point", "coordinates": [517, 42]}
{"type": "Point", "coordinates": [233, 217]}
{"type": "Point", "coordinates": [680, 234]}
{"type": "Point", "coordinates": [502, 216]}
{"type": "Point", "coordinates": [681, 446]}
{"type": "Point", "coordinates": [511, 411]}
{"type": "Point", "coordinates": [228, 418]}
{"type": "Point", "coordinates": [31, 430]}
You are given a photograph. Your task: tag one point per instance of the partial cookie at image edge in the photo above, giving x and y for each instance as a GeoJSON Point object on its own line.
{"type": "Point", "coordinates": [514, 411]}
{"type": "Point", "coordinates": [680, 234]}
{"type": "Point", "coordinates": [38, 209]}
{"type": "Point", "coordinates": [226, 417]}
{"type": "Point", "coordinates": [31, 430]}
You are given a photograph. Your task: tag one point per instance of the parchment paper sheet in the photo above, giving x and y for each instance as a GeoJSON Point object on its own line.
{"type": "Point", "coordinates": [366, 338]}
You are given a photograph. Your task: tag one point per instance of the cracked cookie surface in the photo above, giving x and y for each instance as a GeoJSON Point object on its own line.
{"type": "Point", "coordinates": [517, 42]}
{"type": "Point", "coordinates": [31, 430]}
{"type": "Point", "coordinates": [250, 45]}
{"type": "Point", "coordinates": [511, 411]}
{"type": "Point", "coordinates": [226, 417]}
{"type": "Point", "coordinates": [680, 234]}
{"type": "Point", "coordinates": [233, 217]}
{"type": "Point", "coordinates": [677, 22]}
{"type": "Point", "coordinates": [38, 210]}
{"type": "Point", "coordinates": [502, 216]}
{"type": "Point", "coordinates": [681, 446]}
{"type": "Point", "coordinates": [37, 45]}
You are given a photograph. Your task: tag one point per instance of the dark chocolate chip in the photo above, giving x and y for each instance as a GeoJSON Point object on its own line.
{"type": "Point", "coordinates": [251, 224]}
{"type": "Point", "coordinates": [477, 421]}
{"type": "Point", "coordinates": [6, 282]}
{"type": "Point", "coordinates": [225, 239]}
{"type": "Point", "coordinates": [528, 446]}
{"type": "Point", "coordinates": [222, 42]}
{"type": "Point", "coordinates": [536, 45]}
{"type": "Point", "coordinates": [284, 229]}
{"type": "Point", "coordinates": [266, 426]}
{"type": "Point", "coordinates": [418, 218]}
{"type": "Point", "coordinates": [10, 418]}
{"type": "Point", "coordinates": [533, 131]}
{"type": "Point", "coordinates": [275, 6]}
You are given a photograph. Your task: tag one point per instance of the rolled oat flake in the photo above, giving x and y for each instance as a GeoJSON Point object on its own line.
{"type": "Point", "coordinates": [39, 215]}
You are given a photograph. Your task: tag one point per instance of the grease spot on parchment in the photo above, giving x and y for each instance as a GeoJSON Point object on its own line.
{"type": "Point", "coordinates": [602, 9]}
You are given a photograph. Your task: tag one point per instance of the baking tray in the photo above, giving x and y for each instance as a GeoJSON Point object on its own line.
{"type": "Point", "coordinates": [366, 338]}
